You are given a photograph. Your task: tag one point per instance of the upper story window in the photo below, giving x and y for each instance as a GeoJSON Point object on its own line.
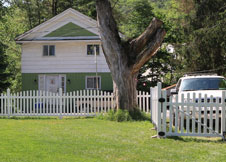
{"type": "Point", "coordinates": [90, 49]}
{"type": "Point", "coordinates": [48, 50]}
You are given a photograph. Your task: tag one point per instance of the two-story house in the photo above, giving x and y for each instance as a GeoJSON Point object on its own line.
{"type": "Point", "coordinates": [64, 52]}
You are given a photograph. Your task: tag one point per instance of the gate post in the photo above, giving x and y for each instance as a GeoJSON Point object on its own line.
{"type": "Point", "coordinates": [223, 124]}
{"type": "Point", "coordinates": [159, 125]}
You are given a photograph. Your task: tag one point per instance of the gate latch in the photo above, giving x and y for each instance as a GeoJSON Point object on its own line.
{"type": "Point", "coordinates": [162, 99]}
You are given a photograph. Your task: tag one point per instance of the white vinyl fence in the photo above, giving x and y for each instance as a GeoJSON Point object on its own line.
{"type": "Point", "coordinates": [188, 115]}
{"type": "Point", "coordinates": [78, 103]}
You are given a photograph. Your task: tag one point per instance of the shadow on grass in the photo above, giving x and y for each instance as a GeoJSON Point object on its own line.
{"type": "Point", "coordinates": [79, 117]}
{"type": "Point", "coordinates": [44, 118]}
{"type": "Point", "coordinates": [198, 139]}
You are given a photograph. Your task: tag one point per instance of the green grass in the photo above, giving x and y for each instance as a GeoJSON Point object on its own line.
{"type": "Point", "coordinates": [55, 140]}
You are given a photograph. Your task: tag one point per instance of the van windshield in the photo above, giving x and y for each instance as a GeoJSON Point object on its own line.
{"type": "Point", "coordinates": [195, 84]}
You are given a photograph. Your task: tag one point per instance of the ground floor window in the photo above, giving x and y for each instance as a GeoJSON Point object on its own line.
{"type": "Point", "coordinates": [52, 82]}
{"type": "Point", "coordinates": [93, 82]}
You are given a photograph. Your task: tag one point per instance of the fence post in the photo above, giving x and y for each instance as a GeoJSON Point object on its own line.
{"type": "Point", "coordinates": [223, 102]}
{"type": "Point", "coordinates": [61, 100]}
{"type": "Point", "coordinates": [8, 102]}
{"type": "Point", "coordinates": [151, 104]}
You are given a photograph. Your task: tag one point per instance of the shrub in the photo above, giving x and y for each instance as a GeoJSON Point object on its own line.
{"type": "Point", "coordinates": [137, 115]}
{"type": "Point", "coordinates": [123, 115]}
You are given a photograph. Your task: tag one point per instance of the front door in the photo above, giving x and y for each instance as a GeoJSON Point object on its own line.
{"type": "Point", "coordinates": [52, 83]}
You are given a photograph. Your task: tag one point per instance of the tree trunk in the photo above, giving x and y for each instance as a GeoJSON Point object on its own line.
{"type": "Point", "coordinates": [39, 11]}
{"type": "Point", "coordinates": [54, 7]}
{"type": "Point", "coordinates": [125, 58]}
{"type": "Point", "coordinates": [125, 89]}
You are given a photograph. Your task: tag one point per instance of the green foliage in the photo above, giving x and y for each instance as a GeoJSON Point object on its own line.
{"type": "Point", "coordinates": [205, 45]}
{"type": "Point", "coordinates": [86, 7]}
{"type": "Point", "coordinates": [38, 11]}
{"type": "Point", "coordinates": [137, 115]}
{"type": "Point", "coordinates": [119, 116]}
{"type": "Point", "coordinates": [11, 24]}
{"type": "Point", "coordinates": [135, 16]}
{"type": "Point", "coordinates": [123, 115]}
{"type": "Point", "coordinates": [4, 75]}
{"type": "Point", "coordinates": [166, 65]}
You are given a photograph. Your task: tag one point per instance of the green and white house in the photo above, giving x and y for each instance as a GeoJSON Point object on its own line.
{"type": "Point", "coordinates": [60, 53]}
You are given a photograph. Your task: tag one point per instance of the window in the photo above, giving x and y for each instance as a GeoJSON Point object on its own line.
{"type": "Point", "coordinates": [93, 82]}
{"type": "Point", "coordinates": [194, 84]}
{"type": "Point", "coordinates": [48, 50]}
{"type": "Point", "coordinates": [90, 49]}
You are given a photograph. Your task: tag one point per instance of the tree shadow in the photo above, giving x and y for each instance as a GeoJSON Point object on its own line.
{"type": "Point", "coordinates": [46, 118]}
{"type": "Point", "coordinates": [198, 139]}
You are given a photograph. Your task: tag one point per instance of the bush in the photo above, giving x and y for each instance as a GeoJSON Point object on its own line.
{"type": "Point", "coordinates": [123, 115]}
{"type": "Point", "coordinates": [137, 115]}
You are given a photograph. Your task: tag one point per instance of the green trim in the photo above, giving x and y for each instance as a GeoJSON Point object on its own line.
{"type": "Point", "coordinates": [70, 30]}
{"type": "Point", "coordinates": [77, 81]}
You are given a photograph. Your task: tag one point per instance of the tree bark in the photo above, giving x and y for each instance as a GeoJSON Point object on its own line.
{"type": "Point", "coordinates": [126, 58]}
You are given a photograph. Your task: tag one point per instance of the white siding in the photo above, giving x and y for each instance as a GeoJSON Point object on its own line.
{"type": "Point", "coordinates": [69, 57]}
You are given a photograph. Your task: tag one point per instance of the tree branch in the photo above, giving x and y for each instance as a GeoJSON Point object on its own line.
{"type": "Point", "coordinates": [150, 50]}
{"type": "Point", "coordinates": [140, 42]}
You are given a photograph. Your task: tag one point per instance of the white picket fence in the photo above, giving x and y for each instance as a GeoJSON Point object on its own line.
{"type": "Point", "coordinates": [188, 115]}
{"type": "Point", "coordinates": [77, 103]}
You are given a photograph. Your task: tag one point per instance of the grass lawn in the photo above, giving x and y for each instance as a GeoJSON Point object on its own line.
{"type": "Point", "coordinates": [55, 140]}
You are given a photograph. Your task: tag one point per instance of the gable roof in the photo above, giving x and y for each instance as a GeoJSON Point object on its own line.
{"type": "Point", "coordinates": [68, 25]}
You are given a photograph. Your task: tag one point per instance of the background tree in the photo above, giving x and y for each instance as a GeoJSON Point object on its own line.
{"type": "Point", "coordinates": [4, 75]}
{"type": "Point", "coordinates": [126, 58]}
{"type": "Point", "coordinates": [165, 65]}
{"type": "Point", "coordinates": [205, 45]}
{"type": "Point", "coordinates": [11, 24]}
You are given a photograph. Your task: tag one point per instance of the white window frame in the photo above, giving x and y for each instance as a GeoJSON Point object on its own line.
{"type": "Point", "coordinates": [59, 83]}
{"type": "Point", "coordinates": [92, 44]}
{"type": "Point", "coordinates": [93, 77]}
{"type": "Point", "coordinates": [48, 50]}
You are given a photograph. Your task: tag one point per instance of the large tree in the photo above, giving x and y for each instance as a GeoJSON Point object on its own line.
{"type": "Point", "coordinates": [125, 58]}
